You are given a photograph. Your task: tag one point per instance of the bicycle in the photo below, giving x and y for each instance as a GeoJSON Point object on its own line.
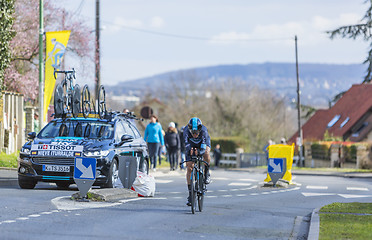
{"type": "Point", "coordinates": [198, 187]}
{"type": "Point", "coordinates": [67, 95]}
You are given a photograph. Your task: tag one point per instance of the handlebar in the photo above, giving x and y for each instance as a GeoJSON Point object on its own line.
{"type": "Point", "coordinates": [70, 72]}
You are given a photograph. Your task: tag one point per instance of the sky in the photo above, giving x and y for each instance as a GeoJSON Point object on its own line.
{"type": "Point", "coordinates": [141, 38]}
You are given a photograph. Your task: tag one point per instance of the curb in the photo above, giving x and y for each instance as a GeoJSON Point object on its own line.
{"type": "Point", "coordinates": [314, 225]}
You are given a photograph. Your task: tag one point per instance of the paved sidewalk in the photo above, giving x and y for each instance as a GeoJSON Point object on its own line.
{"type": "Point", "coordinates": [8, 177]}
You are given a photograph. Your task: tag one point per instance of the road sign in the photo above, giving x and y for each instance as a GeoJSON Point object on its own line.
{"type": "Point", "coordinates": [84, 174]}
{"type": "Point", "coordinates": [276, 168]}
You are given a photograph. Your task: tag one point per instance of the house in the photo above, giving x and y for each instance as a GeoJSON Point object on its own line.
{"type": "Point", "coordinates": [350, 118]}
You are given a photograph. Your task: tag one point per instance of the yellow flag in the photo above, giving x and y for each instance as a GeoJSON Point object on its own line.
{"type": "Point", "coordinates": [56, 43]}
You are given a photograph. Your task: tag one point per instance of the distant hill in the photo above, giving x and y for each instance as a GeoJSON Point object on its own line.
{"type": "Point", "coordinates": [319, 83]}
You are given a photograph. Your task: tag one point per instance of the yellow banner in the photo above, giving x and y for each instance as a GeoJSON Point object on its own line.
{"type": "Point", "coordinates": [282, 151]}
{"type": "Point", "coordinates": [56, 43]}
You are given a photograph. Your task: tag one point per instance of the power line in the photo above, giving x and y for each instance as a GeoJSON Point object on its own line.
{"type": "Point", "coordinates": [197, 37]}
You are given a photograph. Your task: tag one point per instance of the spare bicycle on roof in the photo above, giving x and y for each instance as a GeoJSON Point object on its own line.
{"type": "Point", "coordinates": [69, 101]}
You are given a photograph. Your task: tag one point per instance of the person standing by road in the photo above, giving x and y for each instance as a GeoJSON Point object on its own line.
{"type": "Point", "coordinates": [154, 138]}
{"type": "Point", "coordinates": [172, 143]}
{"type": "Point", "coordinates": [217, 154]}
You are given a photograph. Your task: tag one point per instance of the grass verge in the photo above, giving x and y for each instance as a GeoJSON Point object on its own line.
{"type": "Point", "coordinates": [337, 221]}
{"type": "Point", "coordinates": [9, 160]}
{"type": "Point", "coordinates": [333, 169]}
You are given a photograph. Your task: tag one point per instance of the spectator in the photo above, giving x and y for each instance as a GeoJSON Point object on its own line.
{"type": "Point", "coordinates": [283, 141]}
{"type": "Point", "coordinates": [161, 149]}
{"type": "Point", "coordinates": [217, 154]}
{"type": "Point", "coordinates": [173, 145]}
{"type": "Point", "coordinates": [183, 149]}
{"type": "Point", "coordinates": [154, 138]}
{"type": "Point", "coordinates": [36, 122]}
{"type": "Point", "coordinates": [266, 150]}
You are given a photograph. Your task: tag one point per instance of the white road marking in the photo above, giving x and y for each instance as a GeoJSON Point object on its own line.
{"type": "Point", "coordinates": [34, 215]}
{"type": "Point", "coordinates": [239, 184]}
{"type": "Point", "coordinates": [46, 213]}
{"type": "Point", "coordinates": [357, 189]}
{"type": "Point", "coordinates": [226, 195]}
{"type": "Point", "coordinates": [353, 196]}
{"type": "Point", "coordinates": [222, 190]}
{"type": "Point", "coordinates": [234, 189]}
{"type": "Point", "coordinates": [220, 178]}
{"type": "Point", "coordinates": [163, 181]}
{"type": "Point", "coordinates": [248, 180]}
{"type": "Point", "coordinates": [253, 194]}
{"type": "Point", "coordinates": [8, 221]}
{"type": "Point", "coordinates": [316, 187]}
{"type": "Point", "coordinates": [177, 197]}
{"type": "Point", "coordinates": [317, 194]}
{"type": "Point", "coordinates": [175, 192]}
{"type": "Point", "coordinates": [266, 193]}
{"type": "Point", "coordinates": [22, 218]}
{"type": "Point", "coordinates": [241, 195]}
{"type": "Point", "coordinates": [211, 196]}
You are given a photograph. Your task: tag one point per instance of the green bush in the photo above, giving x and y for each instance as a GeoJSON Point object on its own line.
{"type": "Point", "coordinates": [320, 151]}
{"type": "Point", "coordinates": [230, 144]}
{"type": "Point", "coordinates": [9, 160]}
{"type": "Point", "coordinates": [350, 153]}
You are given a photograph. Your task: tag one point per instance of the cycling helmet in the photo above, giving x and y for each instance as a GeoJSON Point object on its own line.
{"type": "Point", "coordinates": [195, 125]}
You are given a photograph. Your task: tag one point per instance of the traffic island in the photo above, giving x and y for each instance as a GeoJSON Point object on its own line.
{"type": "Point", "coordinates": [279, 184]}
{"type": "Point", "coordinates": [106, 195]}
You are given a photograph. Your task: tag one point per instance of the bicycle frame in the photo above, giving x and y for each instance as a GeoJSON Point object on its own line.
{"type": "Point", "coordinates": [197, 182]}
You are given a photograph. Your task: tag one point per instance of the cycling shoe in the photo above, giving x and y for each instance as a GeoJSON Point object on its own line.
{"type": "Point", "coordinates": [207, 179]}
{"type": "Point", "coordinates": [188, 203]}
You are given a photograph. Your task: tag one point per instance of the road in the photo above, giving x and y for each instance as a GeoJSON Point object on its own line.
{"type": "Point", "coordinates": [237, 206]}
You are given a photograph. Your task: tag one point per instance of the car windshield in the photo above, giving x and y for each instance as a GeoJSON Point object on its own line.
{"type": "Point", "coordinates": [78, 128]}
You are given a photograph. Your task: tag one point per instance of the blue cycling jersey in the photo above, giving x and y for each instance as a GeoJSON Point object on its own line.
{"type": "Point", "coordinates": [201, 142]}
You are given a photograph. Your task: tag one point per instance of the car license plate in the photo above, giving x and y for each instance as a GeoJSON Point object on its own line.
{"type": "Point", "coordinates": [56, 168]}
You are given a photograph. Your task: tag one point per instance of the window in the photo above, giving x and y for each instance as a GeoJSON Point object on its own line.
{"type": "Point", "coordinates": [344, 122]}
{"type": "Point", "coordinates": [120, 131]}
{"type": "Point", "coordinates": [357, 132]}
{"type": "Point", "coordinates": [333, 121]}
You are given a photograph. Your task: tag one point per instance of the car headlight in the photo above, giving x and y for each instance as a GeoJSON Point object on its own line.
{"type": "Point", "coordinates": [99, 153]}
{"type": "Point", "coordinates": [25, 151]}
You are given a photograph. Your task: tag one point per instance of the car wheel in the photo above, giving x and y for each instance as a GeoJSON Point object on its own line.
{"type": "Point", "coordinates": [145, 166]}
{"type": "Point", "coordinates": [63, 185]}
{"type": "Point", "coordinates": [26, 184]}
{"type": "Point", "coordinates": [113, 175]}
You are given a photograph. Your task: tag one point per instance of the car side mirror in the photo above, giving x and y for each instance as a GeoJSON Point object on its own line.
{"type": "Point", "coordinates": [126, 138]}
{"type": "Point", "coordinates": [31, 135]}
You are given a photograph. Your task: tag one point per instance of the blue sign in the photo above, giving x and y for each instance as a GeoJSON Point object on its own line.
{"type": "Point", "coordinates": [276, 165]}
{"type": "Point", "coordinates": [85, 168]}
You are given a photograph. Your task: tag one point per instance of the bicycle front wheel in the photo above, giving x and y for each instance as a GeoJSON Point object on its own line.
{"type": "Point", "coordinates": [194, 190]}
{"type": "Point", "coordinates": [201, 191]}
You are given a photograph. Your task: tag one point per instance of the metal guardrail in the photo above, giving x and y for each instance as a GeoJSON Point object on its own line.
{"type": "Point", "coordinates": [245, 159]}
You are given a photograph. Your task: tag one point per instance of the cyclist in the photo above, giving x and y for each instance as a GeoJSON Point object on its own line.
{"type": "Point", "coordinates": [197, 142]}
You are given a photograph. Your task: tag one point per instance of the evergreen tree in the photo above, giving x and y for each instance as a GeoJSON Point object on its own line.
{"type": "Point", "coordinates": [363, 29]}
{"type": "Point", "coordinates": [6, 23]}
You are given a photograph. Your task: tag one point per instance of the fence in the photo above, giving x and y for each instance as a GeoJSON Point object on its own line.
{"type": "Point", "coordinates": [243, 160]}
{"type": "Point", "coordinates": [12, 125]}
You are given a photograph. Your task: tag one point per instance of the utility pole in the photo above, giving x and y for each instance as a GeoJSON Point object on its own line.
{"type": "Point", "coordinates": [97, 57]}
{"type": "Point", "coordinates": [41, 66]}
{"type": "Point", "coordinates": [299, 141]}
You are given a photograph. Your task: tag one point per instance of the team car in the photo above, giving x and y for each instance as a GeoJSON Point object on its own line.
{"type": "Point", "coordinates": [49, 156]}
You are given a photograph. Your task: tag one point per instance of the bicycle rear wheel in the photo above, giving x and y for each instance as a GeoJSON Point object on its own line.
{"type": "Point", "coordinates": [58, 101]}
{"type": "Point", "coordinates": [201, 189]}
{"type": "Point", "coordinates": [101, 102]}
{"type": "Point", "coordinates": [85, 101]}
{"type": "Point", "coordinates": [194, 191]}
{"type": "Point", "coordinates": [75, 104]}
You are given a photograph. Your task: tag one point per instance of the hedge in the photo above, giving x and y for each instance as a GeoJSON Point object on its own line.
{"type": "Point", "coordinates": [230, 144]}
